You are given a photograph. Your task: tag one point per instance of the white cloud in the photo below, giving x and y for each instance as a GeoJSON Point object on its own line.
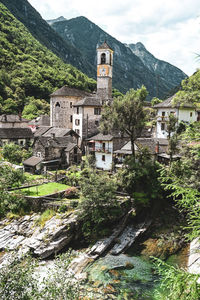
{"type": "Point", "coordinates": [170, 29]}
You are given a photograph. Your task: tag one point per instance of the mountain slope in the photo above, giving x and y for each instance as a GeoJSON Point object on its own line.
{"type": "Point", "coordinates": [79, 48]}
{"type": "Point", "coordinates": [28, 69]}
{"type": "Point", "coordinates": [169, 73]}
{"type": "Point", "coordinates": [129, 69]}
{"type": "Point", "coordinates": [39, 28]}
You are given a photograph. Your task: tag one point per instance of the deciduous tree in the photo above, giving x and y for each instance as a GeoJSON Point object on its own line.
{"type": "Point", "coordinates": [127, 115]}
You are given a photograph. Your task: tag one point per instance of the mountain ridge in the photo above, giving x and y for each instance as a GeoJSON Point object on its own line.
{"type": "Point", "coordinates": [75, 41]}
{"type": "Point", "coordinates": [129, 69]}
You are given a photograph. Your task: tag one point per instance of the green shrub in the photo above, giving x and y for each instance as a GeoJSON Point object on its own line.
{"type": "Point", "coordinates": [63, 208]}
{"type": "Point", "coordinates": [176, 283]}
{"type": "Point", "coordinates": [45, 216]}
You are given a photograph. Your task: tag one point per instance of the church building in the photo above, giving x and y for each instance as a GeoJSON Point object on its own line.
{"type": "Point", "coordinates": [79, 110]}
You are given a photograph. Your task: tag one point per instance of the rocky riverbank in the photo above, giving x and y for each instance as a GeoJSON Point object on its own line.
{"type": "Point", "coordinates": [194, 257]}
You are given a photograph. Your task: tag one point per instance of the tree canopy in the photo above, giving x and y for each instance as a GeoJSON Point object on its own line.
{"type": "Point", "coordinates": [126, 114]}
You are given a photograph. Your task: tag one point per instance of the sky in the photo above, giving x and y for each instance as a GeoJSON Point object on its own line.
{"type": "Point", "coordinates": [169, 29]}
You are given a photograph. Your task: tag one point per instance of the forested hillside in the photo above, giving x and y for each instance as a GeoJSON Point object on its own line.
{"type": "Point", "coordinates": [39, 28]}
{"type": "Point", "coordinates": [29, 70]}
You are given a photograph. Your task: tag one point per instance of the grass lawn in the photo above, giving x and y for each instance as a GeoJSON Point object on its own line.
{"type": "Point", "coordinates": [44, 189]}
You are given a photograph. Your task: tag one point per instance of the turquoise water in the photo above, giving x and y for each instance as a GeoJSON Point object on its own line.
{"type": "Point", "coordinates": [124, 277]}
{"type": "Point", "coordinates": [129, 276]}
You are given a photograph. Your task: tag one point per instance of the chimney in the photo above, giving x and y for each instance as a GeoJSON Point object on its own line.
{"type": "Point", "coordinates": [157, 147]}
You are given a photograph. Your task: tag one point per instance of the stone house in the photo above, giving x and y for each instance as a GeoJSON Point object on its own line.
{"type": "Point", "coordinates": [53, 132]}
{"type": "Point", "coordinates": [155, 147]}
{"type": "Point", "coordinates": [103, 147]}
{"type": "Point", "coordinates": [13, 121]}
{"type": "Point", "coordinates": [185, 113]}
{"type": "Point", "coordinates": [53, 153]}
{"type": "Point", "coordinates": [61, 106]}
{"type": "Point", "coordinates": [86, 117]}
{"type": "Point", "coordinates": [21, 136]}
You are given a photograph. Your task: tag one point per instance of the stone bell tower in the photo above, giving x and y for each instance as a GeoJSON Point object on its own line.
{"type": "Point", "coordinates": [104, 71]}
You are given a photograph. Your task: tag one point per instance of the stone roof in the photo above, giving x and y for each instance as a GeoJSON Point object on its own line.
{"type": "Point", "coordinates": [42, 120]}
{"type": "Point", "coordinates": [71, 92]}
{"type": "Point", "coordinates": [58, 142]}
{"type": "Point", "coordinates": [59, 132]}
{"type": "Point", "coordinates": [41, 130]}
{"type": "Point", "coordinates": [168, 104]}
{"type": "Point", "coordinates": [149, 143]}
{"type": "Point", "coordinates": [104, 46]}
{"type": "Point", "coordinates": [126, 149]}
{"type": "Point", "coordinates": [32, 161]}
{"type": "Point", "coordinates": [102, 137]}
{"type": "Point", "coordinates": [12, 119]}
{"type": "Point", "coordinates": [15, 133]}
{"type": "Point", "coordinates": [108, 137]}
{"type": "Point", "coordinates": [89, 101]}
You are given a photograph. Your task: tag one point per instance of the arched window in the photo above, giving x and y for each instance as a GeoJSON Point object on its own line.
{"type": "Point", "coordinates": [103, 58]}
{"type": "Point", "coordinates": [57, 104]}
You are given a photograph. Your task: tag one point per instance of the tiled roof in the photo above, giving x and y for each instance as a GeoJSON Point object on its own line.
{"type": "Point", "coordinates": [89, 101]}
{"type": "Point", "coordinates": [15, 133]}
{"type": "Point", "coordinates": [104, 46]}
{"type": "Point", "coordinates": [32, 161]}
{"type": "Point", "coordinates": [12, 118]}
{"type": "Point", "coordinates": [168, 104]}
{"type": "Point", "coordinates": [68, 91]}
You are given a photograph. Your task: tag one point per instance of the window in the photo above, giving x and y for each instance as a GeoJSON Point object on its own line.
{"type": "Point", "coordinates": [77, 122]}
{"type": "Point", "coordinates": [162, 126]}
{"type": "Point", "coordinates": [77, 131]}
{"type": "Point", "coordinates": [77, 110]}
{"type": "Point", "coordinates": [103, 158]}
{"type": "Point", "coordinates": [57, 104]}
{"type": "Point", "coordinates": [97, 123]}
{"type": "Point", "coordinates": [104, 146]}
{"type": "Point", "coordinates": [71, 118]}
{"type": "Point", "coordinates": [97, 110]}
{"type": "Point", "coordinates": [21, 143]}
{"type": "Point", "coordinates": [190, 114]}
{"type": "Point", "coordinates": [103, 58]}
{"type": "Point", "coordinates": [163, 113]}
{"type": "Point", "coordinates": [70, 104]}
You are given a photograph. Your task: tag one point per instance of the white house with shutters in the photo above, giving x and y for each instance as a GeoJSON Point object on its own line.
{"type": "Point", "coordinates": [184, 113]}
{"type": "Point", "coordinates": [103, 147]}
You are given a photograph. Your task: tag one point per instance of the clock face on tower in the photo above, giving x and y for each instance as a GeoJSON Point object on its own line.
{"type": "Point", "coordinates": [103, 70]}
